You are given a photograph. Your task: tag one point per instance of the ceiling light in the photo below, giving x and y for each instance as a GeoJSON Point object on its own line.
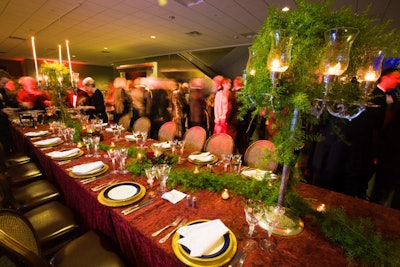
{"type": "Point", "coordinates": [153, 37]}
{"type": "Point", "coordinates": [189, 3]}
{"type": "Point", "coordinates": [194, 33]}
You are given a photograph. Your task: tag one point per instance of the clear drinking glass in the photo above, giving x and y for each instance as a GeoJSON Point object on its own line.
{"type": "Point", "coordinates": [96, 142]}
{"type": "Point", "coordinates": [151, 175]}
{"type": "Point", "coordinates": [162, 174]}
{"type": "Point", "coordinates": [236, 163]}
{"type": "Point", "coordinates": [123, 155]}
{"type": "Point", "coordinates": [112, 155]}
{"type": "Point", "coordinates": [88, 141]}
{"type": "Point", "coordinates": [270, 216]}
{"type": "Point", "coordinates": [252, 212]}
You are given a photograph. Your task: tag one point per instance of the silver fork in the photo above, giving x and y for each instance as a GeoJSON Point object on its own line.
{"type": "Point", "coordinates": [99, 187]}
{"type": "Point", "coordinates": [165, 238]}
{"type": "Point", "coordinates": [174, 223]}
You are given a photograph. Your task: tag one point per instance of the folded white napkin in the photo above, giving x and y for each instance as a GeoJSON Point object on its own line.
{"type": "Point", "coordinates": [130, 137]}
{"type": "Point", "coordinates": [205, 156]}
{"type": "Point", "coordinates": [64, 153]}
{"type": "Point", "coordinates": [87, 168]}
{"type": "Point", "coordinates": [38, 133]}
{"type": "Point", "coordinates": [173, 196]}
{"type": "Point", "coordinates": [200, 237]}
{"type": "Point", "coordinates": [48, 141]}
{"type": "Point", "coordinates": [259, 174]}
{"type": "Point", "coordinates": [164, 145]}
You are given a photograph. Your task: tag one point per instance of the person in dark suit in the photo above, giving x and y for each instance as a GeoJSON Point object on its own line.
{"type": "Point", "coordinates": [344, 161]}
{"type": "Point", "coordinates": [386, 189]}
{"type": "Point", "coordinates": [95, 106]}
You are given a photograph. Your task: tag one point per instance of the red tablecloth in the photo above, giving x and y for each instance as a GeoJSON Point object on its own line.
{"type": "Point", "coordinates": [133, 232]}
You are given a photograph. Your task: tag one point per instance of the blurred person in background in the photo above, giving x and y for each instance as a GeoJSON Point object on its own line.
{"type": "Point", "coordinates": [122, 102]}
{"type": "Point", "coordinates": [197, 104]}
{"type": "Point", "coordinates": [5, 111]}
{"type": "Point", "coordinates": [221, 104]}
{"type": "Point", "coordinates": [30, 97]}
{"type": "Point", "coordinates": [95, 107]}
{"type": "Point", "coordinates": [180, 110]}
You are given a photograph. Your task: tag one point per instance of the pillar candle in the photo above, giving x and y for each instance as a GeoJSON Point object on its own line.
{"type": "Point", "coordinates": [69, 62]}
{"type": "Point", "coordinates": [34, 56]}
{"type": "Point", "coordinates": [59, 54]}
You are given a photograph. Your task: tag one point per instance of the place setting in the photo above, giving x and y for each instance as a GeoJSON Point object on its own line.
{"type": "Point", "coordinates": [88, 170]}
{"type": "Point", "coordinates": [121, 194]}
{"type": "Point", "coordinates": [36, 134]}
{"type": "Point", "coordinates": [66, 154]}
{"type": "Point", "coordinates": [202, 158]}
{"type": "Point", "coordinates": [51, 142]}
{"type": "Point", "coordinates": [204, 243]}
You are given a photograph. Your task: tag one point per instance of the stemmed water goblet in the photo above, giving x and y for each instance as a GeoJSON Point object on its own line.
{"type": "Point", "coordinates": [88, 141]}
{"type": "Point", "coordinates": [162, 175]}
{"type": "Point", "coordinates": [96, 142]}
{"type": "Point", "coordinates": [123, 155]}
{"type": "Point", "coordinates": [252, 211]}
{"type": "Point", "coordinates": [142, 141]}
{"type": "Point", "coordinates": [236, 162]}
{"type": "Point", "coordinates": [151, 175]}
{"type": "Point", "coordinates": [71, 134]}
{"type": "Point", "coordinates": [112, 155]}
{"type": "Point", "coordinates": [270, 218]}
{"type": "Point", "coordinates": [226, 160]}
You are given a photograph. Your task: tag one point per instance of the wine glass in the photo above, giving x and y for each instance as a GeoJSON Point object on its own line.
{"type": "Point", "coordinates": [226, 160]}
{"type": "Point", "coordinates": [88, 141]}
{"type": "Point", "coordinates": [162, 174]}
{"type": "Point", "coordinates": [142, 141]}
{"type": "Point", "coordinates": [251, 210]}
{"type": "Point", "coordinates": [112, 155]}
{"type": "Point", "coordinates": [96, 142]}
{"type": "Point", "coordinates": [150, 174]}
{"type": "Point", "coordinates": [123, 155]}
{"type": "Point", "coordinates": [72, 133]}
{"type": "Point", "coordinates": [270, 218]}
{"type": "Point", "coordinates": [236, 163]}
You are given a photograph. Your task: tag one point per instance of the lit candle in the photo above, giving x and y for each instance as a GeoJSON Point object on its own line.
{"type": "Point", "coordinates": [335, 70]}
{"type": "Point", "coordinates": [59, 54]}
{"type": "Point", "coordinates": [196, 170]}
{"type": "Point", "coordinates": [34, 56]}
{"type": "Point", "coordinates": [74, 98]}
{"type": "Point", "coordinates": [139, 155]}
{"type": "Point", "coordinates": [277, 66]}
{"type": "Point", "coordinates": [112, 144]}
{"type": "Point", "coordinates": [370, 77]}
{"type": "Point", "coordinates": [225, 194]}
{"type": "Point", "coordinates": [321, 208]}
{"type": "Point", "coordinates": [69, 62]}
{"type": "Point", "coordinates": [79, 145]}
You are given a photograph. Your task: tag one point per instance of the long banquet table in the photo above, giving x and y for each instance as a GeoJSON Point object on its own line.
{"type": "Point", "coordinates": [133, 232]}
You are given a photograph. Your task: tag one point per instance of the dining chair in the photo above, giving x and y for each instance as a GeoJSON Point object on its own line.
{"type": "Point", "coordinates": [13, 159]}
{"type": "Point", "coordinates": [195, 138]}
{"type": "Point", "coordinates": [219, 144]}
{"type": "Point", "coordinates": [261, 154]}
{"type": "Point", "coordinates": [20, 243]}
{"type": "Point", "coordinates": [53, 222]}
{"type": "Point", "coordinates": [167, 131]}
{"type": "Point", "coordinates": [142, 124]}
{"type": "Point", "coordinates": [22, 173]}
{"type": "Point", "coordinates": [28, 196]}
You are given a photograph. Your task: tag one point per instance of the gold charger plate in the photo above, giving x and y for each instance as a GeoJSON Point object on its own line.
{"type": "Point", "coordinates": [222, 257]}
{"type": "Point", "coordinates": [50, 145]}
{"type": "Point", "coordinates": [100, 172]}
{"type": "Point", "coordinates": [103, 199]}
{"type": "Point", "coordinates": [69, 157]}
{"type": "Point", "coordinates": [214, 160]}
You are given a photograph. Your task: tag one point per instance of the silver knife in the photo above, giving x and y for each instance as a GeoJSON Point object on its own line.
{"type": "Point", "coordinates": [241, 261]}
{"type": "Point", "coordinates": [136, 207]}
{"type": "Point", "coordinates": [236, 258]}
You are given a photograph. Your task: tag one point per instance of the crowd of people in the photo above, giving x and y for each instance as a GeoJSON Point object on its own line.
{"type": "Point", "coordinates": [350, 154]}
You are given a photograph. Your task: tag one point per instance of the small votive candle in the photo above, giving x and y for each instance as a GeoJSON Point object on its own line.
{"type": "Point", "coordinates": [79, 145]}
{"type": "Point", "coordinates": [196, 170]}
{"type": "Point", "coordinates": [112, 144]}
{"type": "Point", "coordinates": [321, 208]}
{"type": "Point", "coordinates": [157, 153]}
{"type": "Point", "coordinates": [225, 194]}
{"type": "Point", "coordinates": [139, 155]}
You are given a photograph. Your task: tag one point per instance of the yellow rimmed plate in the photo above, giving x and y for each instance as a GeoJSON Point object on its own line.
{"type": "Point", "coordinates": [121, 194]}
{"type": "Point", "coordinates": [222, 253]}
{"type": "Point", "coordinates": [49, 145]}
{"type": "Point", "coordinates": [99, 172]}
{"type": "Point", "coordinates": [194, 161]}
{"type": "Point", "coordinates": [77, 155]}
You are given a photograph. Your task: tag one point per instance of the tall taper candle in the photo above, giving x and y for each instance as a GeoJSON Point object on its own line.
{"type": "Point", "coordinates": [59, 54]}
{"type": "Point", "coordinates": [34, 57]}
{"type": "Point", "coordinates": [69, 62]}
